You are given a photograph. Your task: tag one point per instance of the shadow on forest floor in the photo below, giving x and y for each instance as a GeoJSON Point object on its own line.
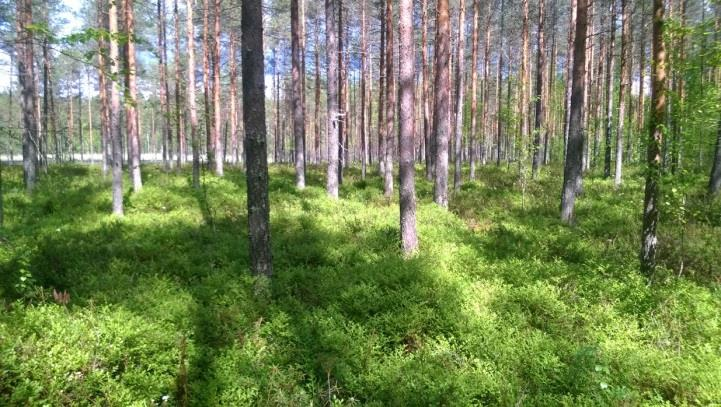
{"type": "Point", "coordinates": [502, 303]}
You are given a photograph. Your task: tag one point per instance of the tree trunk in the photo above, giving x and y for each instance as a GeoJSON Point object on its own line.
{"type": "Point", "coordinates": [256, 148]}
{"type": "Point", "coordinates": [364, 95]}
{"type": "Point", "coordinates": [103, 98]}
{"type": "Point", "coordinates": [625, 83]}
{"type": "Point", "coordinates": [316, 114]}
{"type": "Point", "coordinates": [390, 103]}
{"type": "Point", "coordinates": [195, 145]}
{"type": "Point", "coordinates": [296, 96]}
{"type": "Point", "coordinates": [342, 89]}
{"type": "Point", "coordinates": [115, 134]}
{"type": "Point", "coordinates": [179, 116]}
{"type": "Point", "coordinates": [569, 75]}
{"type": "Point", "coordinates": [409, 237]}
{"type": "Point", "coordinates": [652, 193]}
{"type": "Point", "coordinates": [131, 111]}
{"type": "Point", "coordinates": [426, 91]}
{"type": "Point", "coordinates": [442, 106]}
{"type": "Point", "coordinates": [460, 90]}
{"type": "Point", "coordinates": [499, 78]}
{"type": "Point", "coordinates": [217, 110]}
{"type": "Point", "coordinates": [714, 184]}
{"type": "Point", "coordinates": [209, 145]}
{"type": "Point", "coordinates": [609, 92]}
{"type": "Point", "coordinates": [485, 124]}
{"type": "Point", "coordinates": [24, 50]}
{"type": "Point", "coordinates": [331, 40]}
{"type": "Point", "coordinates": [382, 93]}
{"type": "Point", "coordinates": [234, 153]}
{"type": "Point", "coordinates": [539, 131]}
{"type": "Point", "coordinates": [474, 85]}
{"type": "Point", "coordinates": [573, 170]}
{"type": "Point", "coordinates": [164, 89]}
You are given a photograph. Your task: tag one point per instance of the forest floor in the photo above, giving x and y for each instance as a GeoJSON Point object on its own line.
{"type": "Point", "coordinates": [503, 304]}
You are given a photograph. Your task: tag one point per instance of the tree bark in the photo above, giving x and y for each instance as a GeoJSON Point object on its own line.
{"type": "Point", "coordinates": [256, 147]}
{"type": "Point", "coordinates": [25, 60]}
{"type": "Point", "coordinates": [116, 148]}
{"type": "Point", "coordinates": [382, 93]}
{"type": "Point", "coordinates": [164, 89]}
{"type": "Point", "coordinates": [390, 103]}
{"type": "Point", "coordinates": [573, 168]}
{"type": "Point", "coordinates": [625, 83]}
{"type": "Point", "coordinates": [714, 184]}
{"type": "Point", "coordinates": [316, 115]}
{"type": "Point", "coordinates": [539, 131]}
{"type": "Point", "coordinates": [426, 91]}
{"type": "Point", "coordinates": [460, 91]}
{"type": "Point", "coordinates": [569, 75]}
{"type": "Point", "coordinates": [209, 145]}
{"type": "Point", "coordinates": [609, 91]}
{"type": "Point", "coordinates": [485, 124]}
{"type": "Point", "coordinates": [364, 91]}
{"type": "Point", "coordinates": [131, 111]}
{"type": "Point", "coordinates": [474, 85]}
{"type": "Point", "coordinates": [652, 195]}
{"type": "Point", "coordinates": [442, 106]}
{"type": "Point", "coordinates": [296, 95]}
{"type": "Point", "coordinates": [499, 77]}
{"type": "Point", "coordinates": [331, 40]}
{"type": "Point", "coordinates": [179, 117]}
{"type": "Point", "coordinates": [217, 110]}
{"type": "Point", "coordinates": [409, 237]}
{"type": "Point", "coordinates": [195, 145]}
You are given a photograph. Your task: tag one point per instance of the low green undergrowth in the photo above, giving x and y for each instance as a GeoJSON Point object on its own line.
{"type": "Point", "coordinates": [503, 304]}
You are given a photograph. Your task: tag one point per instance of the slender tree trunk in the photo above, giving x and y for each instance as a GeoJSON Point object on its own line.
{"type": "Point", "coordinates": [209, 145]}
{"type": "Point", "coordinates": [164, 89]}
{"type": "Point", "coordinates": [115, 134]}
{"type": "Point", "coordinates": [442, 105]}
{"type": "Point", "coordinates": [80, 120]}
{"type": "Point", "coordinates": [625, 83]}
{"type": "Point", "coordinates": [342, 89]}
{"type": "Point", "coordinates": [25, 60]}
{"type": "Point", "coordinates": [234, 154]}
{"type": "Point", "coordinates": [297, 98]}
{"type": "Point", "coordinates": [460, 90]}
{"type": "Point", "coordinates": [486, 125]}
{"type": "Point", "coordinates": [641, 116]}
{"type": "Point", "coordinates": [382, 93]}
{"type": "Point", "coordinates": [409, 237]}
{"type": "Point", "coordinates": [569, 75]}
{"type": "Point", "coordinates": [103, 98]}
{"type": "Point", "coordinates": [364, 95]}
{"type": "Point", "coordinates": [195, 144]}
{"type": "Point", "coordinates": [131, 111]}
{"type": "Point", "coordinates": [316, 114]}
{"type": "Point", "coordinates": [573, 169]}
{"type": "Point", "coordinates": [179, 117]}
{"type": "Point", "coordinates": [256, 147]}
{"type": "Point", "coordinates": [474, 85]}
{"type": "Point", "coordinates": [714, 184]}
{"type": "Point", "coordinates": [649, 241]}
{"type": "Point", "coordinates": [426, 91]}
{"type": "Point", "coordinates": [499, 78]}
{"type": "Point", "coordinates": [539, 131]}
{"type": "Point", "coordinates": [609, 92]}
{"type": "Point", "coordinates": [523, 104]}
{"type": "Point", "coordinates": [217, 110]}
{"type": "Point", "coordinates": [390, 102]}
{"type": "Point", "coordinates": [91, 143]}
{"type": "Point", "coordinates": [331, 40]}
